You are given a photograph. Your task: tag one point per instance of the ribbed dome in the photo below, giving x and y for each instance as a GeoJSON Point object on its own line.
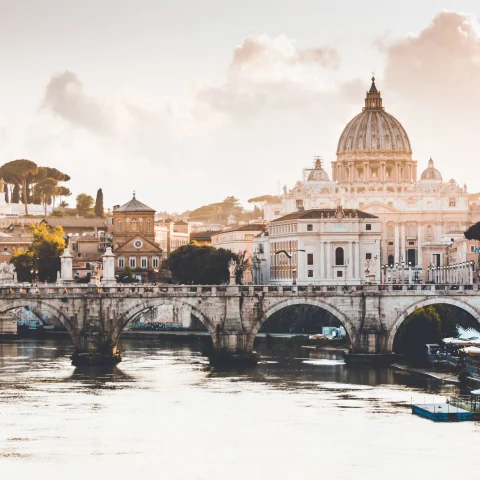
{"type": "Point", "coordinates": [431, 173]}
{"type": "Point", "coordinates": [318, 174]}
{"type": "Point", "coordinates": [374, 130]}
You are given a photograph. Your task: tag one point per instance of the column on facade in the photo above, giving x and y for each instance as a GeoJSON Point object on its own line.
{"type": "Point", "coordinates": [397, 243]}
{"type": "Point", "coordinates": [328, 269]}
{"type": "Point", "coordinates": [438, 233]}
{"type": "Point", "coordinates": [419, 244]}
{"type": "Point", "coordinates": [357, 260]}
{"type": "Point", "coordinates": [350, 260]}
{"type": "Point", "coordinates": [321, 259]}
{"type": "Point", "coordinates": [403, 257]}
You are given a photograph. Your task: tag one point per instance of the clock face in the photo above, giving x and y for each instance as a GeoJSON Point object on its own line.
{"type": "Point", "coordinates": [138, 244]}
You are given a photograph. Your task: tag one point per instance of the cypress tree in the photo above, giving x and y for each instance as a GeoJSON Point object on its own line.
{"type": "Point", "coordinates": [99, 204]}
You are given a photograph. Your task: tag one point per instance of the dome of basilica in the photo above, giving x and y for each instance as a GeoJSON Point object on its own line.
{"type": "Point", "coordinates": [431, 173]}
{"type": "Point", "coordinates": [374, 130]}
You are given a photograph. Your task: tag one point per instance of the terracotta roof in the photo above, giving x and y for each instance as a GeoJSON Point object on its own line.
{"type": "Point", "coordinates": [324, 213]}
{"type": "Point", "coordinates": [207, 235]}
{"type": "Point", "coordinates": [134, 206]}
{"type": "Point", "coordinates": [76, 222]}
{"type": "Point", "coordinates": [253, 227]}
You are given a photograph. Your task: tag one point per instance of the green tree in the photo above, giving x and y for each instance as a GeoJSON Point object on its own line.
{"type": "Point", "coordinates": [44, 252]}
{"type": "Point", "coordinates": [17, 172]}
{"type": "Point", "coordinates": [63, 192]}
{"type": "Point", "coordinates": [204, 265]}
{"type": "Point", "coordinates": [23, 261]}
{"type": "Point", "coordinates": [473, 233]}
{"type": "Point", "coordinates": [99, 204]}
{"type": "Point", "coordinates": [84, 203]}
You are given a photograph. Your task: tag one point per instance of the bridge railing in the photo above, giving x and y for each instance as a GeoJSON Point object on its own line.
{"type": "Point", "coordinates": [45, 290]}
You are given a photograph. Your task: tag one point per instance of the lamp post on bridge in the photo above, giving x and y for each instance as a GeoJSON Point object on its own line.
{"type": "Point", "coordinates": [289, 256]}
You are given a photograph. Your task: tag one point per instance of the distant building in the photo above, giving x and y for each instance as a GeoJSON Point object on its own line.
{"type": "Point", "coordinates": [239, 240]}
{"type": "Point", "coordinates": [170, 235]}
{"type": "Point", "coordinates": [203, 238]}
{"type": "Point", "coordinates": [134, 240]}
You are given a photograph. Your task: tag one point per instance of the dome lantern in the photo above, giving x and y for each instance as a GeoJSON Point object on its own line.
{"type": "Point", "coordinates": [373, 101]}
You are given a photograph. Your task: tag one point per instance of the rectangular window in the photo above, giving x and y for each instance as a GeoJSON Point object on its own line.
{"type": "Point", "coordinates": [309, 227]}
{"type": "Point", "coordinates": [368, 226]}
{"type": "Point", "coordinates": [339, 273]}
{"type": "Point", "coordinates": [155, 262]}
{"type": "Point", "coordinates": [452, 202]}
{"type": "Point", "coordinates": [368, 256]}
{"type": "Point", "coordinates": [411, 243]}
{"type": "Point", "coordinates": [472, 248]}
{"type": "Point", "coordinates": [309, 258]}
{"type": "Point", "coordinates": [390, 243]}
{"type": "Point", "coordinates": [310, 273]}
{"type": "Point", "coordinates": [144, 262]}
{"type": "Point", "coordinates": [132, 262]}
{"type": "Point", "coordinates": [121, 263]}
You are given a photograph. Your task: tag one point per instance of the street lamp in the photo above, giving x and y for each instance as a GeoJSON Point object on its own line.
{"type": "Point", "coordinates": [289, 256]}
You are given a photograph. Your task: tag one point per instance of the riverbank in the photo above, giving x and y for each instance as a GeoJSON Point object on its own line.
{"type": "Point", "coordinates": [445, 377]}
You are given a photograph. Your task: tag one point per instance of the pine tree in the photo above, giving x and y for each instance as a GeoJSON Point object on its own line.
{"type": "Point", "coordinates": [16, 194]}
{"type": "Point", "coordinates": [99, 204]}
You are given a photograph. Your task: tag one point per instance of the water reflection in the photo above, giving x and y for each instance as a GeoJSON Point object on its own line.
{"type": "Point", "coordinates": [164, 410]}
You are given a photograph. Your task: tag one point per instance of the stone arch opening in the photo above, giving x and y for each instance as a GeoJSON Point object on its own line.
{"type": "Point", "coordinates": [305, 303]}
{"type": "Point", "coordinates": [133, 312]}
{"type": "Point", "coordinates": [40, 305]}
{"type": "Point", "coordinates": [466, 315]}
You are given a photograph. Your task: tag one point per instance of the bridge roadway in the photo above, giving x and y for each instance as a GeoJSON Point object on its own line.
{"type": "Point", "coordinates": [371, 314]}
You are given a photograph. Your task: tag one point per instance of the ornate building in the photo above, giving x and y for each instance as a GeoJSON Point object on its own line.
{"type": "Point", "coordinates": [376, 173]}
{"type": "Point", "coordinates": [134, 239]}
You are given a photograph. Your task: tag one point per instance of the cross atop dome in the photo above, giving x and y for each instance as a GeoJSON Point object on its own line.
{"type": "Point", "coordinates": [374, 99]}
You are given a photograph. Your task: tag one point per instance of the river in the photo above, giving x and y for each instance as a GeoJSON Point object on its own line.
{"type": "Point", "coordinates": [163, 413]}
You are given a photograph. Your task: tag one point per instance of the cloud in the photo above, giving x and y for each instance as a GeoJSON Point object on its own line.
{"type": "Point", "coordinates": [434, 77]}
{"type": "Point", "coordinates": [272, 73]}
{"type": "Point", "coordinates": [65, 97]}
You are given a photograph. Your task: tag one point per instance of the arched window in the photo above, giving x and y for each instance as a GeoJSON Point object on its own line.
{"type": "Point", "coordinates": [119, 226]}
{"type": "Point", "coordinates": [339, 256]}
{"type": "Point", "coordinates": [149, 225]}
{"type": "Point", "coordinates": [134, 225]}
{"type": "Point", "coordinates": [391, 260]}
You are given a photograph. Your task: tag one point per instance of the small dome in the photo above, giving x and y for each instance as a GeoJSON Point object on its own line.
{"type": "Point", "coordinates": [431, 173]}
{"type": "Point", "coordinates": [318, 174]}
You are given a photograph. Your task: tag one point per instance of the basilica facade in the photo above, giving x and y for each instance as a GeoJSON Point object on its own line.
{"type": "Point", "coordinates": [375, 172]}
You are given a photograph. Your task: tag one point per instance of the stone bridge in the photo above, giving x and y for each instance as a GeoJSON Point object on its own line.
{"type": "Point", "coordinates": [371, 314]}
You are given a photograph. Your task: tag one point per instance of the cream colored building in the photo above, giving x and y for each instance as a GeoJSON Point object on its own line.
{"type": "Point", "coordinates": [170, 235]}
{"type": "Point", "coordinates": [321, 247]}
{"type": "Point", "coordinates": [375, 172]}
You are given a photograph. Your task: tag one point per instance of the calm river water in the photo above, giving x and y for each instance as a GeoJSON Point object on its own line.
{"type": "Point", "coordinates": [162, 413]}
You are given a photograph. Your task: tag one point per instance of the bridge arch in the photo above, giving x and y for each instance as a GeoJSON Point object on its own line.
{"type": "Point", "coordinates": [290, 302]}
{"type": "Point", "coordinates": [34, 305]}
{"type": "Point", "coordinates": [424, 303]}
{"type": "Point", "coordinates": [161, 302]}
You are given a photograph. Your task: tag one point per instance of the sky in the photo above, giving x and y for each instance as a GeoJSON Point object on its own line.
{"type": "Point", "coordinates": [188, 102]}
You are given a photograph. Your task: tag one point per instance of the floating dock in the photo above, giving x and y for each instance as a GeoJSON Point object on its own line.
{"type": "Point", "coordinates": [442, 412]}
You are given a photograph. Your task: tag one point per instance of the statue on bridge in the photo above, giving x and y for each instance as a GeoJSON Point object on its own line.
{"type": "Point", "coordinates": [7, 273]}
{"type": "Point", "coordinates": [232, 267]}
{"type": "Point", "coordinates": [370, 270]}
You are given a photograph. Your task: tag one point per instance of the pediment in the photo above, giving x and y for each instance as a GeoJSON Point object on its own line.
{"type": "Point", "coordinates": [377, 207]}
{"type": "Point", "coordinates": [131, 245]}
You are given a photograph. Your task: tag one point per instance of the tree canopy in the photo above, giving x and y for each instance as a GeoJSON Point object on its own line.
{"type": "Point", "coordinates": [203, 265]}
{"type": "Point", "coordinates": [17, 172]}
{"type": "Point", "coordinates": [84, 203]}
{"type": "Point", "coordinates": [473, 233]}
{"type": "Point", "coordinates": [43, 254]}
